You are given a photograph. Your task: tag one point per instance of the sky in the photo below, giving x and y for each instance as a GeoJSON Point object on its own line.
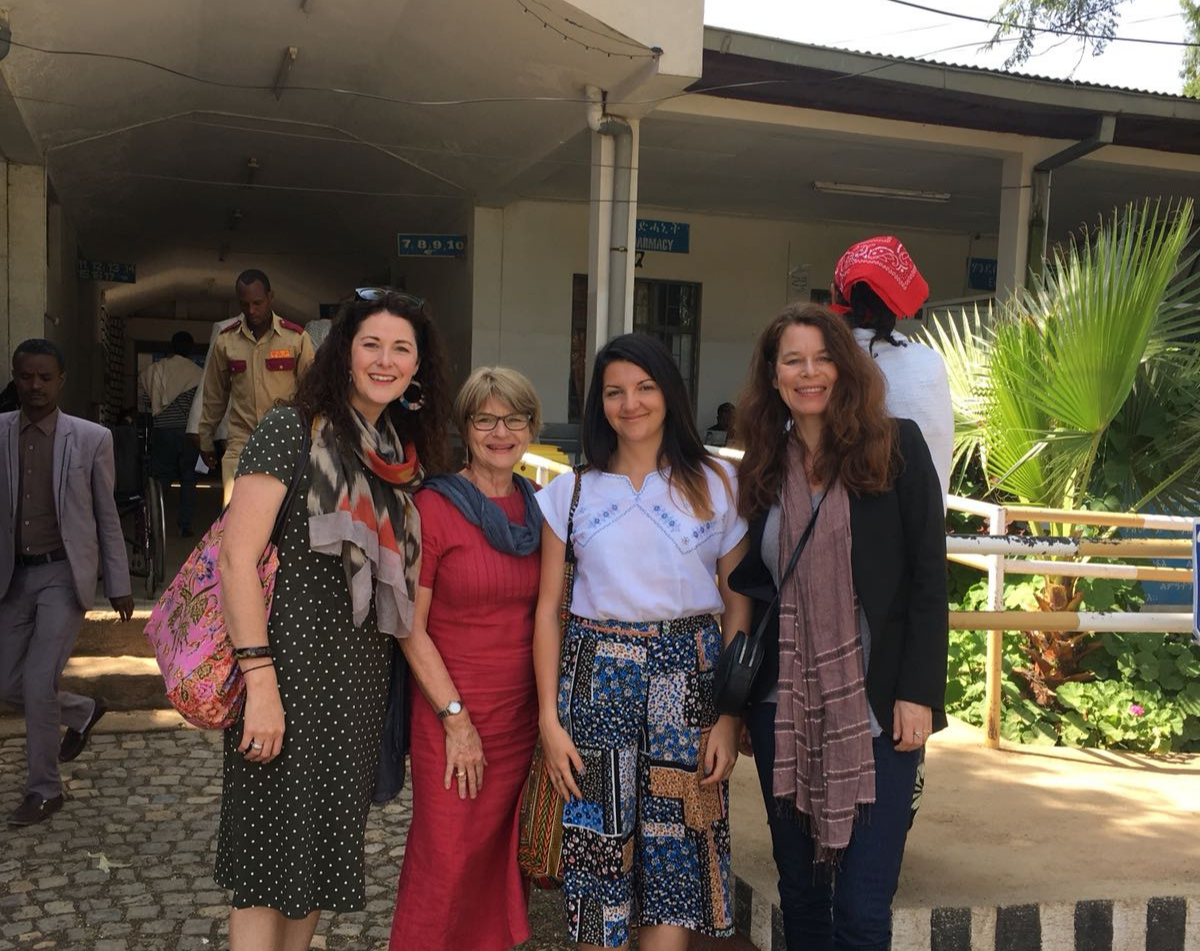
{"type": "Point", "coordinates": [883, 26]}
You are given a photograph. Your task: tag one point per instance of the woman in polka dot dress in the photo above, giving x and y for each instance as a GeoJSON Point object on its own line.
{"type": "Point", "coordinates": [300, 765]}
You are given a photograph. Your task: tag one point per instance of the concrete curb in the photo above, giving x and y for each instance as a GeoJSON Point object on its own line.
{"type": "Point", "coordinates": [1144, 924]}
{"type": "Point", "coordinates": [116, 721]}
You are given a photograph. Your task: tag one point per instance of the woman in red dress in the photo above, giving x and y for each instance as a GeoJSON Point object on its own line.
{"type": "Point", "coordinates": [471, 654]}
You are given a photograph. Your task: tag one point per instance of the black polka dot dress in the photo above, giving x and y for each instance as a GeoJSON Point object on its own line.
{"type": "Point", "coordinates": [291, 834]}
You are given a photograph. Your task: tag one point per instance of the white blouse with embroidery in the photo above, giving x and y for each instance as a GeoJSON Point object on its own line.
{"type": "Point", "coordinates": [641, 556]}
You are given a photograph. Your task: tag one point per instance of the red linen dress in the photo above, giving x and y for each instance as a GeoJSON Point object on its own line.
{"type": "Point", "coordinates": [460, 886]}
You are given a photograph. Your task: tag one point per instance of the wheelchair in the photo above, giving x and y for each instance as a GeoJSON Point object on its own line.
{"type": "Point", "coordinates": [139, 501]}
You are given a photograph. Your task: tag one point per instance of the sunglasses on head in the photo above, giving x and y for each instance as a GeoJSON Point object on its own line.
{"type": "Point", "coordinates": [370, 294]}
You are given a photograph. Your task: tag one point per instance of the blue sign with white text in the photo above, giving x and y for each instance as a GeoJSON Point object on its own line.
{"type": "Point", "coordinates": [431, 245]}
{"type": "Point", "coordinates": [670, 236]}
{"type": "Point", "coordinates": [981, 274]}
{"type": "Point", "coordinates": [106, 271]}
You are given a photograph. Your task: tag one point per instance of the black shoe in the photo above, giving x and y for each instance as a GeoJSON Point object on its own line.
{"type": "Point", "coordinates": [74, 741]}
{"type": "Point", "coordinates": [34, 809]}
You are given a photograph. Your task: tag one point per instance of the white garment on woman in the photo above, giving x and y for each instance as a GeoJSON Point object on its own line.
{"type": "Point", "coordinates": [917, 389]}
{"type": "Point", "coordinates": [642, 556]}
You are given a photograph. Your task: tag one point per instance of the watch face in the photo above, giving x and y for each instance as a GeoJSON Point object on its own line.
{"type": "Point", "coordinates": [453, 707]}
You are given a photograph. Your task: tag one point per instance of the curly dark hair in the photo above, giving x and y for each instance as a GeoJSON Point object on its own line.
{"type": "Point", "coordinates": [325, 389]}
{"type": "Point", "coordinates": [858, 445]}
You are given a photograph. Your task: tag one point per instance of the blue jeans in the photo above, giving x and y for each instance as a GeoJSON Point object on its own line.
{"type": "Point", "coordinates": [851, 909]}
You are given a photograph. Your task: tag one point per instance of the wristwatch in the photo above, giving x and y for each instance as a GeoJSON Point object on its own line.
{"type": "Point", "coordinates": [453, 708]}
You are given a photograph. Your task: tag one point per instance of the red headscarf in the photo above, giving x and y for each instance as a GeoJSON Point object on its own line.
{"type": "Point", "coordinates": [885, 266]}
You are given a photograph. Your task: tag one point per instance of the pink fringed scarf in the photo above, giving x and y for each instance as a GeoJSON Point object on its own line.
{"type": "Point", "coordinates": [824, 763]}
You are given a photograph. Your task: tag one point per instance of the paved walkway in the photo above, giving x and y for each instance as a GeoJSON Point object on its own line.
{"type": "Point", "coordinates": [127, 864]}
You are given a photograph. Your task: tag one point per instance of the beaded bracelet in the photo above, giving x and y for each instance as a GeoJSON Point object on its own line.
{"type": "Point", "coordinates": [247, 653]}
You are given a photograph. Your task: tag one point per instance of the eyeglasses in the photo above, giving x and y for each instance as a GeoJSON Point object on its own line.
{"type": "Point", "coordinates": [371, 294]}
{"type": "Point", "coordinates": [513, 422]}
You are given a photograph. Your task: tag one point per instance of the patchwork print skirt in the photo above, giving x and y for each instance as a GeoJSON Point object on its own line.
{"type": "Point", "coordinates": [647, 845]}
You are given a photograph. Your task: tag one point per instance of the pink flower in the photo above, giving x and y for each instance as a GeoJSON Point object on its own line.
{"type": "Point", "coordinates": [1137, 710]}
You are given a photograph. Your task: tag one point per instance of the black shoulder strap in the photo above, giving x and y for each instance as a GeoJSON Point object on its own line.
{"type": "Point", "coordinates": [293, 486]}
{"type": "Point", "coordinates": [570, 552]}
{"type": "Point", "coordinates": [787, 572]}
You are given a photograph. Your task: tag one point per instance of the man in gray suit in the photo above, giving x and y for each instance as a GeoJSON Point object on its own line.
{"type": "Point", "coordinates": [60, 524]}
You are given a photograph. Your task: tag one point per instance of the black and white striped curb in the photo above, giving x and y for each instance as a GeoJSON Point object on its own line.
{"type": "Point", "coordinates": [1147, 924]}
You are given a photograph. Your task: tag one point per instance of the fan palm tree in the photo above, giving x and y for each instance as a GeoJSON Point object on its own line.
{"type": "Point", "coordinates": [1083, 388]}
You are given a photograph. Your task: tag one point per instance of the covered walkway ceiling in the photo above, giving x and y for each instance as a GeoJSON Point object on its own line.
{"type": "Point", "coordinates": [338, 163]}
{"type": "Point", "coordinates": [401, 115]}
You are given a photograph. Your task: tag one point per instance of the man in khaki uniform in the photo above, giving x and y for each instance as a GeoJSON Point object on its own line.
{"type": "Point", "coordinates": [254, 364]}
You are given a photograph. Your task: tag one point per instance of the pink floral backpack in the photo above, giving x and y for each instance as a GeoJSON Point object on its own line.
{"type": "Point", "coordinates": [187, 626]}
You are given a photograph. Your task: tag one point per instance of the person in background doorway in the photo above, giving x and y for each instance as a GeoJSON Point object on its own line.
{"type": "Point", "coordinates": [170, 386]}
{"type": "Point", "coordinates": [875, 284]}
{"type": "Point", "coordinates": [60, 526]}
{"type": "Point", "coordinates": [221, 433]}
{"type": "Point", "coordinates": [471, 654]}
{"type": "Point", "coordinates": [721, 432]}
{"type": "Point", "coordinates": [317, 330]}
{"type": "Point", "coordinates": [254, 365]}
{"type": "Point", "coordinates": [853, 676]}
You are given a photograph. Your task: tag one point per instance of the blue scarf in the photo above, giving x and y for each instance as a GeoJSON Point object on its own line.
{"type": "Point", "coordinates": [482, 512]}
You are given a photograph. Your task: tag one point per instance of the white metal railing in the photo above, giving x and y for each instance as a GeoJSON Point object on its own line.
{"type": "Point", "coordinates": [999, 553]}
{"type": "Point", "coordinates": [544, 469]}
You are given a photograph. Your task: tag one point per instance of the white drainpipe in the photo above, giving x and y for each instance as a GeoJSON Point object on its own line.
{"type": "Point", "coordinates": [616, 193]}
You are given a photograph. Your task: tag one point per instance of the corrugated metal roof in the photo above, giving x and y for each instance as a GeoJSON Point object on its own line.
{"type": "Point", "coordinates": [987, 70]}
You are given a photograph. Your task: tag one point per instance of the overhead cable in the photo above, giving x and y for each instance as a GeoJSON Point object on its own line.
{"type": "Point", "coordinates": [1056, 31]}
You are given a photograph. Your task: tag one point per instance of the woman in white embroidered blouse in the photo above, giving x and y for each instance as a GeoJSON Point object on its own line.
{"type": "Point", "coordinates": [631, 736]}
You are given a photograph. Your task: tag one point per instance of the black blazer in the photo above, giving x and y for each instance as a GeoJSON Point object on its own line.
{"type": "Point", "coordinates": [898, 558]}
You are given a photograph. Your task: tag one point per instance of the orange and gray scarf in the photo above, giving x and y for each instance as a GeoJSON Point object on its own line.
{"type": "Point", "coordinates": [824, 762]}
{"type": "Point", "coordinates": [370, 521]}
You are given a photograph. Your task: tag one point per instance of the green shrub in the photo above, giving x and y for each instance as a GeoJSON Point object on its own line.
{"type": "Point", "coordinates": [1145, 696]}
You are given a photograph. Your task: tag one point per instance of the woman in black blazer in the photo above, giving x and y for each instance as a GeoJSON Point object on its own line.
{"type": "Point", "coordinates": [854, 677]}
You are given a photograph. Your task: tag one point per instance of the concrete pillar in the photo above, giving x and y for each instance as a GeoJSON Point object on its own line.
{"type": "Point", "coordinates": [629, 239]}
{"type": "Point", "coordinates": [485, 248]}
{"type": "Point", "coordinates": [1016, 203]}
{"type": "Point", "coordinates": [22, 256]}
{"type": "Point", "coordinates": [599, 243]}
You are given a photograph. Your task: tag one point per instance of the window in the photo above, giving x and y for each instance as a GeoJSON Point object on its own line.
{"type": "Point", "coordinates": [670, 311]}
{"type": "Point", "coordinates": [575, 393]}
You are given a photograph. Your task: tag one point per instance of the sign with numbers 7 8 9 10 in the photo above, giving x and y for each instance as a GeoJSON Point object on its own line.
{"type": "Point", "coordinates": [431, 245]}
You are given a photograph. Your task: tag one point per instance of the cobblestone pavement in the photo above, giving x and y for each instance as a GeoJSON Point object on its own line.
{"type": "Point", "coordinates": [127, 864]}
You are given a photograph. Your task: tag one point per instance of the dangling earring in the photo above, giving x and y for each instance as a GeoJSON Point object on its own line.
{"type": "Point", "coordinates": [414, 404]}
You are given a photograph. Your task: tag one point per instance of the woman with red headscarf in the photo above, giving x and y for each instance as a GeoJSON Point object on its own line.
{"type": "Point", "coordinates": [875, 284]}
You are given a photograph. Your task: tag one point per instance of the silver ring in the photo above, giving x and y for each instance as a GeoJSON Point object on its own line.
{"type": "Point", "coordinates": [255, 746]}
{"type": "Point", "coordinates": [918, 733]}
{"type": "Point", "coordinates": [459, 773]}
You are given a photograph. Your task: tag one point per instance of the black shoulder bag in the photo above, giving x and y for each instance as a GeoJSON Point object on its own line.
{"type": "Point", "coordinates": [741, 659]}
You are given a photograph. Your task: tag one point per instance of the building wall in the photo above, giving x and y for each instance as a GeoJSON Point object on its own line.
{"type": "Point", "coordinates": [70, 318]}
{"type": "Point", "coordinates": [446, 284]}
{"type": "Point", "coordinates": [741, 263]}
